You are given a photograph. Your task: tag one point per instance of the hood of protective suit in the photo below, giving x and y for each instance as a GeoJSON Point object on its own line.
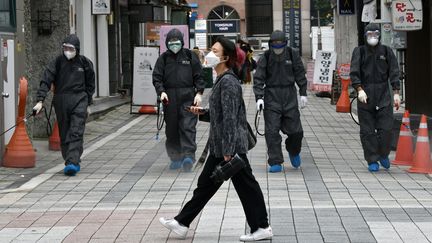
{"type": "Point", "coordinates": [372, 27]}
{"type": "Point", "coordinates": [73, 40]}
{"type": "Point", "coordinates": [174, 34]}
{"type": "Point", "coordinates": [277, 35]}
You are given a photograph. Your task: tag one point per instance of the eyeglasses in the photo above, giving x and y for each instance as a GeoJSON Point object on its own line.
{"type": "Point", "coordinates": [375, 33]}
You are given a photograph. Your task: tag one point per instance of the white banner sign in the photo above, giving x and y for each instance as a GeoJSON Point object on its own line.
{"type": "Point", "coordinates": [325, 64]}
{"type": "Point", "coordinates": [101, 6]}
{"type": "Point", "coordinates": [144, 61]}
{"type": "Point", "coordinates": [201, 24]}
{"type": "Point", "coordinates": [407, 15]}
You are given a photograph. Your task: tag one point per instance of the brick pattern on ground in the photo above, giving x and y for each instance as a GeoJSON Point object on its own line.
{"type": "Point", "coordinates": [125, 185]}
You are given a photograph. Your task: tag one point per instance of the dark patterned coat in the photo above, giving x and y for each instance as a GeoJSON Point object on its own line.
{"type": "Point", "coordinates": [227, 113]}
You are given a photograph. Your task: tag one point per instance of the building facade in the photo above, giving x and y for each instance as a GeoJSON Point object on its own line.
{"type": "Point", "coordinates": [32, 31]}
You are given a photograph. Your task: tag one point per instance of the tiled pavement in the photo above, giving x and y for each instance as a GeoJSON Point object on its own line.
{"type": "Point", "coordinates": [125, 185]}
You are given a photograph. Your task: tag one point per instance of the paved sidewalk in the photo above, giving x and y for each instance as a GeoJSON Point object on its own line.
{"type": "Point", "coordinates": [125, 185]}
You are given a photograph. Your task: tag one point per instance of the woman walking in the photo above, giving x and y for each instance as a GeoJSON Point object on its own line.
{"type": "Point", "coordinates": [228, 137]}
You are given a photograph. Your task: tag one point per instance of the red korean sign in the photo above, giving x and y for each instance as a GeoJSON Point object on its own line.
{"type": "Point", "coordinates": [407, 15]}
{"type": "Point", "coordinates": [344, 71]}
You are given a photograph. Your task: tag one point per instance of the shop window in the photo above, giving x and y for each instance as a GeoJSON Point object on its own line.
{"type": "Point", "coordinates": [7, 15]}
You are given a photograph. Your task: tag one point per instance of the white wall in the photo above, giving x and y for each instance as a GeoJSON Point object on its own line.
{"type": "Point", "coordinates": [9, 87]}
{"type": "Point", "coordinates": [277, 14]}
{"type": "Point", "coordinates": [327, 39]}
{"type": "Point", "coordinates": [305, 28]}
{"type": "Point", "coordinates": [103, 62]}
{"type": "Point", "coordinates": [86, 31]}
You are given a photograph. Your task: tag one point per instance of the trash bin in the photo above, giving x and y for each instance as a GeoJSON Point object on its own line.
{"type": "Point", "coordinates": [207, 74]}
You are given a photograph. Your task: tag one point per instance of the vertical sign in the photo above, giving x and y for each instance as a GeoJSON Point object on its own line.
{"type": "Point", "coordinates": [407, 15]}
{"type": "Point", "coordinates": [346, 7]}
{"type": "Point", "coordinates": [201, 33]}
{"type": "Point", "coordinates": [143, 64]}
{"type": "Point", "coordinates": [325, 64]}
{"type": "Point", "coordinates": [287, 4]}
{"type": "Point", "coordinates": [292, 22]}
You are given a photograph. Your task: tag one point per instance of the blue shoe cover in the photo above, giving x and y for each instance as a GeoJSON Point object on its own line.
{"type": "Point", "coordinates": [71, 169]}
{"type": "Point", "coordinates": [373, 167]}
{"type": "Point", "coordinates": [275, 168]}
{"type": "Point", "coordinates": [295, 160]}
{"type": "Point", "coordinates": [187, 164]}
{"type": "Point", "coordinates": [385, 162]}
{"type": "Point", "coordinates": [175, 165]}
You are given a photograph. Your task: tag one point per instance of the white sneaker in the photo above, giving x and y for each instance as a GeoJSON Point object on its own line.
{"type": "Point", "coordinates": [174, 225]}
{"type": "Point", "coordinates": [259, 234]}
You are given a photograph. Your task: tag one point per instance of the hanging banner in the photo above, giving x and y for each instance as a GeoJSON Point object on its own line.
{"type": "Point", "coordinates": [143, 92]}
{"type": "Point", "coordinates": [407, 15]}
{"type": "Point", "coordinates": [325, 64]}
{"type": "Point", "coordinates": [292, 22]}
{"type": "Point", "coordinates": [164, 29]}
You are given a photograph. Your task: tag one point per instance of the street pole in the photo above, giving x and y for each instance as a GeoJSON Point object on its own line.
{"type": "Point", "coordinates": [319, 31]}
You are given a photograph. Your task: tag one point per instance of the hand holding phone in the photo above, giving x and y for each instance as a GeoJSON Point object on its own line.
{"type": "Point", "coordinates": [196, 110]}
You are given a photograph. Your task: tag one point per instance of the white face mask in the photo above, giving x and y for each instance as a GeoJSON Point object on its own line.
{"type": "Point", "coordinates": [69, 54]}
{"type": "Point", "coordinates": [278, 51]}
{"type": "Point", "coordinates": [372, 41]}
{"type": "Point", "coordinates": [212, 60]}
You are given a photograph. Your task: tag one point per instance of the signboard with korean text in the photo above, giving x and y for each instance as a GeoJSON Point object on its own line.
{"type": "Point", "coordinates": [224, 26]}
{"type": "Point", "coordinates": [101, 6]}
{"type": "Point", "coordinates": [344, 71]}
{"type": "Point", "coordinates": [407, 15]}
{"type": "Point", "coordinates": [143, 64]}
{"type": "Point", "coordinates": [346, 7]}
{"type": "Point", "coordinates": [325, 64]}
{"type": "Point", "coordinates": [164, 29]}
{"type": "Point", "coordinates": [152, 33]}
{"type": "Point", "coordinates": [292, 22]}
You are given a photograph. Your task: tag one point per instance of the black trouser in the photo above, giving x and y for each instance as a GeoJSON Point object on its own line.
{"type": "Point", "coordinates": [247, 189]}
{"type": "Point", "coordinates": [71, 112]}
{"type": "Point", "coordinates": [180, 129]}
{"type": "Point", "coordinates": [375, 132]}
{"type": "Point", "coordinates": [287, 122]}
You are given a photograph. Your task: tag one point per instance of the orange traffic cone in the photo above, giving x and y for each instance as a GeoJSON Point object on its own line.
{"type": "Point", "coordinates": [19, 152]}
{"type": "Point", "coordinates": [147, 109]}
{"type": "Point", "coordinates": [404, 150]}
{"type": "Point", "coordinates": [343, 104]}
{"type": "Point", "coordinates": [422, 162]}
{"type": "Point", "coordinates": [54, 139]}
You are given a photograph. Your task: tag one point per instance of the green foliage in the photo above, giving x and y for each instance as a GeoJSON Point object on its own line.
{"type": "Point", "coordinates": [326, 12]}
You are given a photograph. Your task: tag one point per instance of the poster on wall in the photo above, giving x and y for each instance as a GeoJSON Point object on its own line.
{"type": "Point", "coordinates": [101, 6]}
{"type": "Point", "coordinates": [407, 15]}
{"type": "Point", "coordinates": [325, 64]}
{"type": "Point", "coordinates": [152, 31]}
{"type": "Point", "coordinates": [184, 29]}
{"type": "Point", "coordinates": [201, 33]}
{"type": "Point", "coordinates": [143, 91]}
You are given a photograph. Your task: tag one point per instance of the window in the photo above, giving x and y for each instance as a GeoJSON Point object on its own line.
{"type": "Point", "coordinates": [7, 15]}
{"type": "Point", "coordinates": [223, 12]}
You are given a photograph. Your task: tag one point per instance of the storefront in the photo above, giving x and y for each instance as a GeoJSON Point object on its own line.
{"type": "Point", "coordinates": [228, 28]}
